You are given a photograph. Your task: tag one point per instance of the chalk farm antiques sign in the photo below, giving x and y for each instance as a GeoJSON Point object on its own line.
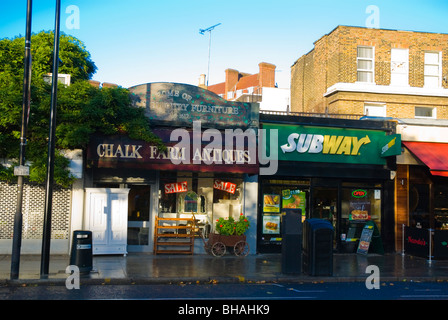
{"type": "Point", "coordinates": [178, 104]}
{"type": "Point", "coordinates": [123, 152]}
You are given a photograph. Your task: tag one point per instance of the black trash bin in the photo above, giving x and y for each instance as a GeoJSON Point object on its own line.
{"type": "Point", "coordinates": [318, 247]}
{"type": "Point", "coordinates": [291, 226]}
{"type": "Point", "coordinates": [81, 253]}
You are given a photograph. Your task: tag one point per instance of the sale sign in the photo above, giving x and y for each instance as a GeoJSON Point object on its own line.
{"type": "Point", "coordinates": [176, 187]}
{"type": "Point", "coordinates": [225, 186]}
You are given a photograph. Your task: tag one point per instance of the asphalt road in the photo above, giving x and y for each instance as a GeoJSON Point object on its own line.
{"type": "Point", "coordinates": [233, 292]}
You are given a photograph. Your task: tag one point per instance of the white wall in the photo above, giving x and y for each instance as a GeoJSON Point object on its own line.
{"type": "Point", "coordinates": [275, 99]}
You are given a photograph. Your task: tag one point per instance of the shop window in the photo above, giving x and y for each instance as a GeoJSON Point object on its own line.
{"type": "Point", "coordinates": [419, 206]}
{"type": "Point", "coordinates": [358, 206]}
{"type": "Point", "coordinates": [276, 197]}
{"type": "Point", "coordinates": [441, 206]}
{"type": "Point", "coordinates": [207, 196]}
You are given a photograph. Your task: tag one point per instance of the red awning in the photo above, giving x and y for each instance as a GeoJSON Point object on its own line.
{"type": "Point", "coordinates": [434, 155]}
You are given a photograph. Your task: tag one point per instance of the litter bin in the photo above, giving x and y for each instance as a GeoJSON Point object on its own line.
{"type": "Point", "coordinates": [81, 252]}
{"type": "Point", "coordinates": [291, 227]}
{"type": "Point", "coordinates": [318, 247]}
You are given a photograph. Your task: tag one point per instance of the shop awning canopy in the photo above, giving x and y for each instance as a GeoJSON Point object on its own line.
{"type": "Point", "coordinates": [434, 155]}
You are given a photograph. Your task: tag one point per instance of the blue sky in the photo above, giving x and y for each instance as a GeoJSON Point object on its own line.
{"type": "Point", "coordinates": [140, 41]}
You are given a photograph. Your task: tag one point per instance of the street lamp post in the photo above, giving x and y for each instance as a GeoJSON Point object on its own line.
{"type": "Point", "coordinates": [45, 258]}
{"type": "Point", "coordinates": [17, 235]}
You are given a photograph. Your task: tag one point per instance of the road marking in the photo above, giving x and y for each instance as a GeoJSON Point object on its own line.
{"type": "Point", "coordinates": [299, 291]}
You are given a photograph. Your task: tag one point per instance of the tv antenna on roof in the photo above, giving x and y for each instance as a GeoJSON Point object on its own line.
{"type": "Point", "coordinates": [209, 30]}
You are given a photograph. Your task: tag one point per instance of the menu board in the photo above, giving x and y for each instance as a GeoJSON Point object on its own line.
{"type": "Point", "coordinates": [365, 239]}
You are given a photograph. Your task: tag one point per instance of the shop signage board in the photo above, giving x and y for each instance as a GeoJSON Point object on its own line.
{"type": "Point", "coordinates": [391, 145]}
{"type": "Point", "coordinates": [416, 242]}
{"type": "Point", "coordinates": [177, 104]}
{"type": "Point", "coordinates": [205, 156]}
{"type": "Point", "coordinates": [327, 144]}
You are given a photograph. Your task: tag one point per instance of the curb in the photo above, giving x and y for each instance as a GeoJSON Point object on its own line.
{"type": "Point", "coordinates": [209, 280]}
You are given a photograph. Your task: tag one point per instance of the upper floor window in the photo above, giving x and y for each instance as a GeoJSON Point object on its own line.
{"type": "Point", "coordinates": [399, 71]}
{"type": "Point", "coordinates": [425, 112]}
{"type": "Point", "coordinates": [375, 109]}
{"type": "Point", "coordinates": [365, 64]}
{"type": "Point", "coordinates": [433, 69]}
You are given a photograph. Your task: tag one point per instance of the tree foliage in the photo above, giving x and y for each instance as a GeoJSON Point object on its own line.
{"type": "Point", "coordinates": [82, 109]}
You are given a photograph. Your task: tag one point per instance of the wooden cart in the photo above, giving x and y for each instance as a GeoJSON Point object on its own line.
{"type": "Point", "coordinates": [217, 244]}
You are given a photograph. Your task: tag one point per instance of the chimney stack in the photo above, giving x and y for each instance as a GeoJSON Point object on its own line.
{"type": "Point", "coordinates": [202, 81]}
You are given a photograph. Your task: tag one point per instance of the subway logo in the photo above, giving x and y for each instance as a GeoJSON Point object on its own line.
{"type": "Point", "coordinates": [326, 144]}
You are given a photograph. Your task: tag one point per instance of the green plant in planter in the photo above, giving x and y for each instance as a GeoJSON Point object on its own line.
{"type": "Point", "coordinates": [242, 225]}
{"type": "Point", "coordinates": [226, 227]}
{"type": "Point", "coordinates": [229, 226]}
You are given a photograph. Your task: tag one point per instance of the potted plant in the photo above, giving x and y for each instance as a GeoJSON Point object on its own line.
{"type": "Point", "coordinates": [230, 233]}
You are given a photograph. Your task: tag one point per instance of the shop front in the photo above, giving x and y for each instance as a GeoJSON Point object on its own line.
{"type": "Point", "coordinates": [338, 170]}
{"type": "Point", "coordinates": [206, 169]}
{"type": "Point", "coordinates": [422, 182]}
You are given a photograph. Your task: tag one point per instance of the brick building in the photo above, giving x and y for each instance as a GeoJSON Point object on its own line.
{"type": "Point", "coordinates": [259, 87]}
{"type": "Point", "coordinates": [375, 72]}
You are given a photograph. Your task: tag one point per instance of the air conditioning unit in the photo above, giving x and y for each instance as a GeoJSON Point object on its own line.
{"type": "Point", "coordinates": [62, 78]}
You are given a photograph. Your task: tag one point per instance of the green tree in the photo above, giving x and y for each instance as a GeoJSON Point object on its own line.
{"type": "Point", "coordinates": [82, 109]}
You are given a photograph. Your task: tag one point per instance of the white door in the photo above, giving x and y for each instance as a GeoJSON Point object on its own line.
{"type": "Point", "coordinates": [107, 216]}
{"type": "Point", "coordinates": [98, 218]}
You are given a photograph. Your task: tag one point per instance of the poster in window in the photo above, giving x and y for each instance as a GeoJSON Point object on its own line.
{"type": "Point", "coordinates": [271, 203]}
{"type": "Point", "coordinates": [294, 199]}
{"type": "Point", "coordinates": [359, 210]}
{"type": "Point", "coordinates": [271, 224]}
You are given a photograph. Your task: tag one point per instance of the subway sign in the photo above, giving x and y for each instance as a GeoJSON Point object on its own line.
{"type": "Point", "coordinates": [327, 144]}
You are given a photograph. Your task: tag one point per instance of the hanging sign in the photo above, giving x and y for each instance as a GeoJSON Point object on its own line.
{"type": "Point", "coordinates": [176, 187]}
{"type": "Point", "coordinates": [225, 186]}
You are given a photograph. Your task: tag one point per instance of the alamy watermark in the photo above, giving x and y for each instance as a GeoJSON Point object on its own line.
{"type": "Point", "coordinates": [373, 20]}
{"type": "Point", "coordinates": [238, 147]}
{"type": "Point", "coordinates": [373, 280]}
{"type": "Point", "coordinates": [73, 21]}
{"type": "Point", "coordinates": [72, 281]}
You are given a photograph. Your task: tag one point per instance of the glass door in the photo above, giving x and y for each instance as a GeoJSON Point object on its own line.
{"type": "Point", "coordinates": [139, 212]}
{"type": "Point", "coordinates": [325, 206]}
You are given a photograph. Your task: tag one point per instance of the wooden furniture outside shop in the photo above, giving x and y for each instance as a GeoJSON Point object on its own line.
{"type": "Point", "coordinates": [174, 235]}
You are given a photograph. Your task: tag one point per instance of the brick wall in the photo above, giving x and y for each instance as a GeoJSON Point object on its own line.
{"type": "Point", "coordinates": [333, 60]}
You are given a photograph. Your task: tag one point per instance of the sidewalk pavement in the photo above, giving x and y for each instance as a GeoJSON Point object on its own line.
{"type": "Point", "coordinates": [143, 268]}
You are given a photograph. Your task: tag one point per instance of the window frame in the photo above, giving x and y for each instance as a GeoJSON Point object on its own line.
{"type": "Point", "coordinates": [439, 73]}
{"type": "Point", "coordinates": [393, 80]}
{"type": "Point", "coordinates": [433, 112]}
{"type": "Point", "coordinates": [358, 70]}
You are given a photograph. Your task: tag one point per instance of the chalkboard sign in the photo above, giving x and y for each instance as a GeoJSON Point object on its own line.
{"type": "Point", "coordinates": [366, 238]}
